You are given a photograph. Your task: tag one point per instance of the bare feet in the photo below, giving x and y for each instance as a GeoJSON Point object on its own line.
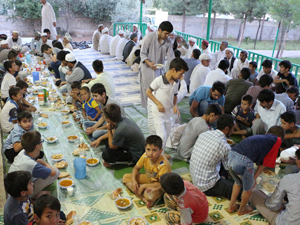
{"type": "Point", "coordinates": [106, 164]}
{"type": "Point", "coordinates": [167, 156]}
{"type": "Point", "coordinates": [247, 209]}
{"type": "Point", "coordinates": [148, 203]}
{"type": "Point", "coordinates": [233, 208]}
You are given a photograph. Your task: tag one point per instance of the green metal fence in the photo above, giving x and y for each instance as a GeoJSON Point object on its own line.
{"type": "Point", "coordinates": [214, 46]}
{"type": "Point", "coordinates": [129, 27]}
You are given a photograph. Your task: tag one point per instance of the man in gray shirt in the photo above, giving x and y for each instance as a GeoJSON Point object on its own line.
{"type": "Point", "coordinates": [192, 63]}
{"type": "Point", "coordinates": [288, 97]}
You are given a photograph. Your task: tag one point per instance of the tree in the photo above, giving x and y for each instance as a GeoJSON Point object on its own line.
{"type": "Point", "coordinates": [217, 7]}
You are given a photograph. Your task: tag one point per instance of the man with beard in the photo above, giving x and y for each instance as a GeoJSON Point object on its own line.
{"type": "Point", "coordinates": [14, 39]}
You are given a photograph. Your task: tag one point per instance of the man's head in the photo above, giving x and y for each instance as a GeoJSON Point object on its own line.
{"type": "Point", "coordinates": [205, 59]}
{"type": "Point", "coordinates": [18, 184]}
{"type": "Point", "coordinates": [293, 92]}
{"type": "Point", "coordinates": [85, 93]}
{"type": "Point", "coordinates": [58, 45]}
{"type": "Point", "coordinates": [266, 98]}
{"type": "Point", "coordinates": [223, 65]}
{"type": "Point", "coordinates": [278, 131]}
{"type": "Point", "coordinates": [71, 60]}
{"type": "Point", "coordinates": [37, 35]}
{"type": "Point", "coordinates": [134, 37]}
{"type": "Point", "coordinates": [61, 56]}
{"type": "Point", "coordinates": [288, 120]}
{"type": "Point", "coordinates": [217, 90]}
{"type": "Point", "coordinates": [192, 41]}
{"type": "Point", "coordinates": [15, 35]}
{"type": "Point", "coordinates": [100, 27]}
{"type": "Point", "coordinates": [98, 66]}
{"type": "Point", "coordinates": [229, 53]}
{"type": "Point", "coordinates": [32, 143]}
{"type": "Point", "coordinates": [99, 93]}
{"type": "Point", "coordinates": [172, 183]}
{"type": "Point", "coordinates": [226, 124]}
{"type": "Point", "coordinates": [46, 49]}
{"type": "Point", "coordinates": [265, 81]}
{"type": "Point", "coordinates": [44, 37]}
{"type": "Point", "coordinates": [135, 27]}
{"type": "Point", "coordinates": [15, 93]}
{"type": "Point", "coordinates": [19, 66]}
{"type": "Point", "coordinates": [252, 66]}
{"type": "Point", "coordinates": [153, 148]}
{"type": "Point", "coordinates": [121, 33]}
{"type": "Point", "coordinates": [196, 53]}
{"type": "Point", "coordinates": [297, 153]}
{"type": "Point", "coordinates": [285, 66]}
{"type": "Point", "coordinates": [245, 73]}
{"type": "Point", "coordinates": [172, 35]}
{"type": "Point", "coordinates": [164, 30]}
{"type": "Point", "coordinates": [11, 67]}
{"type": "Point", "coordinates": [213, 112]}
{"type": "Point", "coordinates": [46, 210]}
{"type": "Point", "coordinates": [4, 44]}
{"type": "Point", "coordinates": [223, 45]}
{"type": "Point", "coordinates": [43, 1]}
{"type": "Point", "coordinates": [177, 53]}
{"type": "Point", "coordinates": [75, 86]}
{"type": "Point", "coordinates": [243, 55]}
{"type": "Point", "coordinates": [204, 44]}
{"type": "Point", "coordinates": [25, 120]}
{"type": "Point", "coordinates": [67, 38]}
{"type": "Point", "coordinates": [177, 68]}
{"type": "Point", "coordinates": [47, 31]}
{"type": "Point", "coordinates": [267, 66]}
{"type": "Point", "coordinates": [246, 102]}
{"type": "Point", "coordinates": [112, 113]}
{"type": "Point", "coordinates": [12, 55]}
{"type": "Point", "coordinates": [105, 30]}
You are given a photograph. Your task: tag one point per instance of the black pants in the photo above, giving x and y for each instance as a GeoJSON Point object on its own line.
{"type": "Point", "coordinates": [11, 154]}
{"type": "Point", "coordinates": [116, 155]}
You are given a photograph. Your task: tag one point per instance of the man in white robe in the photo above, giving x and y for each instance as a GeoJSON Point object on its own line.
{"type": "Point", "coordinates": [135, 30]}
{"type": "Point", "coordinates": [231, 59]}
{"type": "Point", "coordinates": [218, 56]}
{"type": "Point", "coordinates": [192, 42]}
{"type": "Point", "coordinates": [121, 45]}
{"type": "Point", "coordinates": [36, 43]}
{"type": "Point", "coordinates": [132, 56]}
{"type": "Point", "coordinates": [48, 18]}
{"type": "Point", "coordinates": [14, 39]}
{"type": "Point", "coordinates": [156, 47]}
{"type": "Point", "coordinates": [66, 42]}
{"type": "Point", "coordinates": [96, 37]}
{"type": "Point", "coordinates": [105, 41]}
{"type": "Point", "coordinates": [114, 42]}
{"type": "Point", "coordinates": [240, 64]}
{"type": "Point", "coordinates": [205, 48]}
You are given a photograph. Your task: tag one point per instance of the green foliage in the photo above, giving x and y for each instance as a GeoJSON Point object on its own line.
{"type": "Point", "coordinates": [27, 9]}
{"type": "Point", "coordinates": [179, 7]}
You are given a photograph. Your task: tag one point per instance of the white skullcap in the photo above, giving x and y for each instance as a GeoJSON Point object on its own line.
{"type": "Point", "coordinates": [100, 25]}
{"type": "Point", "coordinates": [205, 57]}
{"type": "Point", "coordinates": [15, 32]}
{"type": "Point", "coordinates": [68, 37]}
{"type": "Point", "coordinates": [44, 35]}
{"type": "Point", "coordinates": [192, 39]}
{"type": "Point", "coordinates": [104, 30]}
{"type": "Point", "coordinates": [70, 57]}
{"type": "Point", "coordinates": [173, 32]}
{"type": "Point", "coordinates": [121, 32]}
{"type": "Point", "coordinates": [127, 33]}
{"type": "Point", "coordinates": [152, 28]}
{"type": "Point", "coordinates": [229, 49]}
{"type": "Point", "coordinates": [3, 42]}
{"type": "Point", "coordinates": [141, 42]}
{"type": "Point", "coordinates": [17, 48]}
{"type": "Point", "coordinates": [148, 24]}
{"type": "Point", "coordinates": [135, 25]}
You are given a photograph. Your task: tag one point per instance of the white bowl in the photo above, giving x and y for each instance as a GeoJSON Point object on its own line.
{"type": "Point", "coordinates": [123, 207]}
{"type": "Point", "coordinates": [95, 164]}
{"type": "Point", "coordinates": [65, 112]}
{"type": "Point", "coordinates": [38, 82]}
{"type": "Point", "coordinates": [65, 187]}
{"type": "Point", "coordinates": [73, 140]}
{"type": "Point", "coordinates": [42, 127]}
{"type": "Point", "coordinates": [65, 124]}
{"type": "Point", "coordinates": [159, 66]}
{"type": "Point", "coordinates": [57, 160]}
{"type": "Point", "coordinates": [137, 217]}
{"type": "Point", "coordinates": [51, 141]}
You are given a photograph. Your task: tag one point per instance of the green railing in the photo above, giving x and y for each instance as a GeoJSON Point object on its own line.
{"type": "Point", "coordinates": [214, 46]}
{"type": "Point", "coordinates": [129, 27]}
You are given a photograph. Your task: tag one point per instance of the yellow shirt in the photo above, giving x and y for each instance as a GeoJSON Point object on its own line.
{"type": "Point", "coordinates": [154, 172]}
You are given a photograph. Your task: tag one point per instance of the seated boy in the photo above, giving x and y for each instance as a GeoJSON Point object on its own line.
{"type": "Point", "coordinates": [9, 80]}
{"type": "Point", "coordinates": [186, 198]}
{"type": "Point", "coordinates": [75, 94]}
{"type": "Point", "coordinates": [285, 78]}
{"type": "Point", "coordinates": [259, 149]}
{"type": "Point", "coordinates": [18, 208]}
{"type": "Point", "coordinates": [8, 116]}
{"type": "Point", "coordinates": [292, 130]}
{"type": "Point", "coordinates": [20, 73]}
{"type": "Point", "coordinates": [274, 208]}
{"type": "Point", "coordinates": [244, 116]}
{"type": "Point", "coordinates": [99, 95]}
{"type": "Point", "coordinates": [12, 145]}
{"type": "Point", "coordinates": [43, 174]}
{"type": "Point", "coordinates": [90, 108]}
{"type": "Point", "coordinates": [155, 165]}
{"type": "Point", "coordinates": [254, 73]}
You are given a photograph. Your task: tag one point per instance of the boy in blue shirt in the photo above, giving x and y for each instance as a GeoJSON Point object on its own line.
{"type": "Point", "coordinates": [90, 108]}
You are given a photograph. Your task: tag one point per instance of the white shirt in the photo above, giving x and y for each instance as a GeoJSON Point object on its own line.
{"type": "Point", "coordinates": [270, 117]}
{"type": "Point", "coordinates": [48, 17]}
{"type": "Point", "coordinates": [206, 51]}
{"type": "Point", "coordinates": [8, 113]}
{"type": "Point", "coordinates": [239, 65]}
{"type": "Point", "coordinates": [216, 58]}
{"type": "Point", "coordinates": [190, 51]}
{"type": "Point", "coordinates": [113, 45]}
{"type": "Point", "coordinates": [216, 75]}
{"type": "Point", "coordinates": [120, 48]}
{"type": "Point", "coordinates": [69, 47]}
{"type": "Point", "coordinates": [11, 43]}
{"type": "Point", "coordinates": [8, 81]}
{"type": "Point", "coordinates": [273, 75]}
{"type": "Point", "coordinates": [198, 77]}
{"type": "Point", "coordinates": [104, 43]}
{"type": "Point", "coordinates": [107, 80]}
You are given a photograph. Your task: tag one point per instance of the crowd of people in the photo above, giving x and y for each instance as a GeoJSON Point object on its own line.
{"type": "Point", "coordinates": [227, 95]}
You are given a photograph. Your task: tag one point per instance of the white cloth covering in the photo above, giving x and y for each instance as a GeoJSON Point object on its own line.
{"type": "Point", "coordinates": [113, 45]}
{"type": "Point", "coordinates": [216, 75]}
{"type": "Point", "coordinates": [198, 77]}
{"type": "Point", "coordinates": [190, 51]}
{"type": "Point", "coordinates": [120, 48]}
{"type": "Point", "coordinates": [48, 18]}
{"type": "Point", "coordinates": [11, 43]}
{"type": "Point", "coordinates": [104, 43]}
{"type": "Point", "coordinates": [237, 68]}
{"type": "Point", "coordinates": [216, 58]}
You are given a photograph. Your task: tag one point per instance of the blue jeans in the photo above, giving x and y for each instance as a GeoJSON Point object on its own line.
{"type": "Point", "coordinates": [55, 66]}
{"type": "Point", "coordinates": [97, 133]}
{"type": "Point", "coordinates": [240, 165]}
{"type": "Point", "coordinates": [203, 105]}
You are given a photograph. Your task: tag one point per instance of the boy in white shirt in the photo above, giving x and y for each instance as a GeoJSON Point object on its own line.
{"type": "Point", "coordinates": [9, 79]}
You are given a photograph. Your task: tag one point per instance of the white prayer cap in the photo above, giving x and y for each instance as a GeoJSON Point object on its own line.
{"type": "Point", "coordinates": [104, 30]}
{"type": "Point", "coordinates": [205, 57]}
{"type": "Point", "coordinates": [135, 25]}
{"type": "Point", "coordinates": [148, 24]}
{"type": "Point", "coordinates": [44, 35]}
{"type": "Point", "coordinates": [152, 28]}
{"type": "Point", "coordinates": [127, 34]}
{"type": "Point", "coordinates": [68, 37]}
{"type": "Point", "coordinates": [121, 32]}
{"type": "Point", "coordinates": [100, 25]}
{"type": "Point", "coordinates": [15, 32]}
{"type": "Point", "coordinates": [173, 32]}
{"type": "Point", "coordinates": [192, 39]}
{"type": "Point", "coordinates": [70, 57]}
{"type": "Point", "coordinates": [229, 49]}
{"type": "Point", "coordinates": [17, 48]}
{"type": "Point", "coordinates": [3, 42]}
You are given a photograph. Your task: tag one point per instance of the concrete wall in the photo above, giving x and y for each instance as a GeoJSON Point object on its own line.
{"type": "Point", "coordinates": [224, 28]}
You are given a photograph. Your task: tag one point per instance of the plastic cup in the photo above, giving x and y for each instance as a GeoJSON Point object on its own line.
{"type": "Point", "coordinates": [80, 168]}
{"type": "Point", "coordinates": [70, 191]}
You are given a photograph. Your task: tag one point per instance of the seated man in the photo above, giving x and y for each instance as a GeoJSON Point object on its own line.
{"type": "Point", "coordinates": [240, 64]}
{"type": "Point", "coordinates": [121, 45]}
{"type": "Point", "coordinates": [114, 42]}
{"type": "Point", "coordinates": [192, 43]}
{"type": "Point", "coordinates": [218, 56]}
{"type": "Point", "coordinates": [14, 39]}
{"type": "Point", "coordinates": [253, 66]}
{"type": "Point", "coordinates": [192, 63]}
{"type": "Point", "coordinates": [129, 46]}
{"type": "Point", "coordinates": [205, 48]}
{"type": "Point", "coordinates": [292, 130]}
{"type": "Point", "coordinates": [288, 97]}
{"type": "Point", "coordinates": [105, 41]}
{"type": "Point", "coordinates": [66, 42]}
{"type": "Point", "coordinates": [285, 78]}
{"type": "Point", "coordinates": [135, 30]}
{"type": "Point", "coordinates": [267, 69]}
{"type": "Point", "coordinates": [36, 43]}
{"type": "Point", "coordinates": [210, 150]}
{"type": "Point", "coordinates": [3, 45]}
{"type": "Point", "coordinates": [229, 56]}
{"type": "Point", "coordinates": [267, 111]}
{"type": "Point", "coordinates": [205, 95]}
{"type": "Point", "coordinates": [273, 207]}
{"type": "Point", "coordinates": [195, 127]}
{"type": "Point", "coordinates": [218, 74]}
{"type": "Point", "coordinates": [125, 140]}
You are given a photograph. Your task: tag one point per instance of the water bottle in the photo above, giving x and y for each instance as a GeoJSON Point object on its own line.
{"type": "Point", "coordinates": [80, 168]}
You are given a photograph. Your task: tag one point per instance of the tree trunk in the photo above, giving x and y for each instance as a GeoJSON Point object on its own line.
{"type": "Point", "coordinates": [213, 26]}
{"type": "Point", "coordinates": [183, 21]}
{"type": "Point", "coordinates": [283, 42]}
{"type": "Point", "coordinates": [262, 28]}
{"type": "Point", "coordinates": [259, 23]}
{"type": "Point", "coordinates": [242, 31]}
{"type": "Point", "coordinates": [282, 31]}
{"type": "Point", "coordinates": [240, 28]}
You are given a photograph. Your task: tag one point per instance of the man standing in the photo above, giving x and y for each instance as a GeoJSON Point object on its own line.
{"type": "Point", "coordinates": [156, 46]}
{"type": "Point", "coordinates": [48, 18]}
{"type": "Point", "coordinates": [96, 37]}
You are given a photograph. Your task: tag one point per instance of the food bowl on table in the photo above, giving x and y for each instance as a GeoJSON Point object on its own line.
{"type": "Point", "coordinates": [52, 99]}
{"type": "Point", "coordinates": [30, 84]}
{"type": "Point", "coordinates": [85, 223]}
{"type": "Point", "coordinates": [55, 95]}
{"type": "Point", "coordinates": [52, 90]}
{"type": "Point", "coordinates": [57, 157]}
{"type": "Point", "coordinates": [44, 83]}
{"type": "Point", "coordinates": [35, 92]}
{"type": "Point", "coordinates": [65, 123]}
{"type": "Point", "coordinates": [72, 138]}
{"type": "Point", "coordinates": [159, 66]}
{"type": "Point", "coordinates": [65, 183]}
{"type": "Point", "coordinates": [38, 82]}
{"type": "Point", "coordinates": [92, 162]}
{"type": "Point", "coordinates": [65, 112]}
{"type": "Point", "coordinates": [123, 202]}
{"type": "Point", "coordinates": [230, 142]}
{"type": "Point", "coordinates": [137, 221]}
{"type": "Point", "coordinates": [44, 79]}
{"type": "Point", "coordinates": [32, 99]}
{"type": "Point", "coordinates": [58, 105]}
{"type": "Point", "coordinates": [51, 139]}
{"type": "Point", "coordinates": [42, 125]}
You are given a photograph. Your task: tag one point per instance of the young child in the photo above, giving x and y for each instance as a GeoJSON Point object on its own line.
{"type": "Point", "coordinates": [75, 94]}
{"type": "Point", "coordinates": [285, 78]}
{"type": "Point", "coordinates": [163, 95]}
{"type": "Point", "coordinates": [27, 160]}
{"type": "Point", "coordinates": [155, 166]}
{"type": "Point", "coordinates": [12, 145]}
{"type": "Point", "coordinates": [20, 73]}
{"type": "Point", "coordinates": [9, 80]}
{"type": "Point", "coordinates": [90, 108]}
{"type": "Point", "coordinates": [292, 130]}
{"type": "Point", "coordinates": [254, 73]}
{"type": "Point", "coordinates": [260, 149]}
{"type": "Point", "coordinates": [97, 129]}
{"type": "Point", "coordinates": [18, 208]}
{"type": "Point", "coordinates": [186, 198]}
{"type": "Point", "coordinates": [244, 116]}
{"type": "Point", "coordinates": [9, 112]}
